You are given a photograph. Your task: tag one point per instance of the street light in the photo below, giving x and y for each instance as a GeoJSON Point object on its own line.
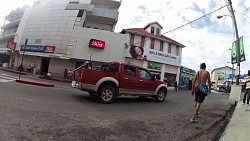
{"type": "Point", "coordinates": [237, 39]}
{"type": "Point", "coordinates": [221, 16]}
{"type": "Point", "coordinates": [21, 66]}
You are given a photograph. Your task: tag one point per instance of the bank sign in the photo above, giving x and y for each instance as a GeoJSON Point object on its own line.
{"type": "Point", "coordinates": [38, 48]}
{"type": "Point", "coordinates": [153, 55]}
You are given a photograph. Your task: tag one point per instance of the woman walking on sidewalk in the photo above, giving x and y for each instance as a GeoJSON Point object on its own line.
{"type": "Point", "coordinates": [247, 93]}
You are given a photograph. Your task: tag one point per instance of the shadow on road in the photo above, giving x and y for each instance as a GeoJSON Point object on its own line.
{"type": "Point", "coordinates": [122, 99]}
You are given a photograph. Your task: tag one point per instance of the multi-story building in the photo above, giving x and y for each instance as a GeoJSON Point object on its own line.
{"type": "Point", "coordinates": [8, 32]}
{"type": "Point", "coordinates": [158, 53]}
{"type": "Point", "coordinates": [63, 34]}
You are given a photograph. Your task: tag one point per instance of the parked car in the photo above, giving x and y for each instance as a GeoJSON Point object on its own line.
{"type": "Point", "coordinates": [226, 86]}
{"type": "Point", "coordinates": [115, 79]}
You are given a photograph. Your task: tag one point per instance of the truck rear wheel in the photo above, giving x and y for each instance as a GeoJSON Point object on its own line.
{"type": "Point", "coordinates": [106, 94]}
{"type": "Point", "coordinates": [161, 95]}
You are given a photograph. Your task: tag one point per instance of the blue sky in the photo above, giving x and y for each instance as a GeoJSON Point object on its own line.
{"type": "Point", "coordinates": [207, 40]}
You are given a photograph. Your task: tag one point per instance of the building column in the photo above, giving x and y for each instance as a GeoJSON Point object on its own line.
{"type": "Point", "coordinates": [163, 67]}
{"type": "Point", "coordinates": [145, 64]}
{"type": "Point", "coordinates": [178, 74]}
{"type": "Point", "coordinates": [83, 18]}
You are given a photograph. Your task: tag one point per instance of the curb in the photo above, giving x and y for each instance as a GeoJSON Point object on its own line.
{"type": "Point", "coordinates": [32, 82]}
{"type": "Point", "coordinates": [13, 71]}
{"type": "Point", "coordinates": [54, 79]}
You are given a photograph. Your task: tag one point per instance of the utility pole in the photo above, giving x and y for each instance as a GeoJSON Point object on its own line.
{"type": "Point", "coordinates": [21, 66]}
{"type": "Point", "coordinates": [237, 42]}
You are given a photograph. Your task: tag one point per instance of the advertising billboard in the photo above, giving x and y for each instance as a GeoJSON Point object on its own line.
{"type": "Point", "coordinates": [234, 51]}
{"type": "Point", "coordinates": [142, 53]}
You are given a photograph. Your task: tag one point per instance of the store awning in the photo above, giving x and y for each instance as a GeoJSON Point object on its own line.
{"type": "Point", "coordinates": [4, 50]}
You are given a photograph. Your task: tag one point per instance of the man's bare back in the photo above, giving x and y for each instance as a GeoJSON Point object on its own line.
{"type": "Point", "coordinates": [204, 77]}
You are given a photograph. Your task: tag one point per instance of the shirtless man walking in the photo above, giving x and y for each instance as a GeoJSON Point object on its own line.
{"type": "Point", "coordinates": [201, 77]}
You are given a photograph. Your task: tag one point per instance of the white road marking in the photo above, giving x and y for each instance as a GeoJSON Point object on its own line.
{"type": "Point", "coordinates": [7, 78]}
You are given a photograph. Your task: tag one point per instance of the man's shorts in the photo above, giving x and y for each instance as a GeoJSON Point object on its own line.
{"type": "Point", "coordinates": [199, 97]}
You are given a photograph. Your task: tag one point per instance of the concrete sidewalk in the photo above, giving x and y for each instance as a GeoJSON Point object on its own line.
{"type": "Point", "coordinates": [239, 125]}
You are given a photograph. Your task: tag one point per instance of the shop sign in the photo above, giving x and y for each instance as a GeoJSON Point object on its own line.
{"type": "Point", "coordinates": [187, 70]}
{"type": "Point", "coordinates": [96, 43]}
{"type": "Point", "coordinates": [38, 48]}
{"type": "Point", "coordinates": [11, 45]}
{"type": "Point", "coordinates": [154, 66]}
{"type": "Point", "coordinates": [49, 49]}
{"type": "Point", "coordinates": [153, 55]}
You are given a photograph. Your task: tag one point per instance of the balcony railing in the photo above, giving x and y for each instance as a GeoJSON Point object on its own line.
{"type": "Point", "coordinates": [105, 14]}
{"type": "Point", "coordinates": [11, 24]}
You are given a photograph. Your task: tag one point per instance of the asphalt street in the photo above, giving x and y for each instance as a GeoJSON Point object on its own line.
{"type": "Point", "coordinates": [62, 113]}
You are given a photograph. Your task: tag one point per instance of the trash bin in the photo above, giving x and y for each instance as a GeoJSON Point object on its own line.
{"type": "Point", "coordinates": [5, 65]}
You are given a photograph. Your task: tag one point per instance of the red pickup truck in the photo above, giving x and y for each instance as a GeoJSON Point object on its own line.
{"type": "Point", "coordinates": [114, 79]}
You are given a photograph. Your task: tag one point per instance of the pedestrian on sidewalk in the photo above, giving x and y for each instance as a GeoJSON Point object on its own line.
{"type": "Point", "coordinates": [186, 86]}
{"type": "Point", "coordinates": [175, 86]}
{"type": "Point", "coordinates": [65, 73]}
{"type": "Point", "coordinates": [247, 92]}
{"type": "Point", "coordinates": [49, 75]}
{"type": "Point", "coordinates": [70, 74]}
{"type": "Point", "coordinates": [200, 78]}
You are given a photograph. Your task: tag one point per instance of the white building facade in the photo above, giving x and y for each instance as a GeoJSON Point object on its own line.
{"type": "Point", "coordinates": [8, 32]}
{"type": "Point", "coordinates": [161, 55]}
{"type": "Point", "coordinates": [63, 34]}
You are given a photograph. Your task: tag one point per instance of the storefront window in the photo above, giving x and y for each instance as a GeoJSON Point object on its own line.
{"type": "Point", "coordinates": [170, 79]}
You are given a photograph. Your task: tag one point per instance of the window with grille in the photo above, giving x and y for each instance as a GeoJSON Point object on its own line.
{"type": "Point", "coordinates": [152, 46]}
{"type": "Point", "coordinates": [142, 41]}
{"type": "Point", "coordinates": [169, 48]}
{"type": "Point", "coordinates": [153, 30]}
{"type": "Point", "coordinates": [161, 46]}
{"type": "Point", "coordinates": [158, 31]}
{"type": "Point", "coordinates": [177, 50]}
{"type": "Point", "coordinates": [132, 37]}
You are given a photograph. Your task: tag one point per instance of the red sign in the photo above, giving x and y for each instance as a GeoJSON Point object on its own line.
{"type": "Point", "coordinates": [49, 49]}
{"type": "Point", "coordinates": [11, 45]}
{"type": "Point", "coordinates": [96, 43]}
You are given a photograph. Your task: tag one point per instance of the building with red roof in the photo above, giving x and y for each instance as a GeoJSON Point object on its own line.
{"type": "Point", "coordinates": [150, 49]}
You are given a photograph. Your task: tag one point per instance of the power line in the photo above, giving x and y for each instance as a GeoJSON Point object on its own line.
{"type": "Point", "coordinates": [243, 16]}
{"type": "Point", "coordinates": [194, 20]}
{"type": "Point", "coordinates": [188, 23]}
